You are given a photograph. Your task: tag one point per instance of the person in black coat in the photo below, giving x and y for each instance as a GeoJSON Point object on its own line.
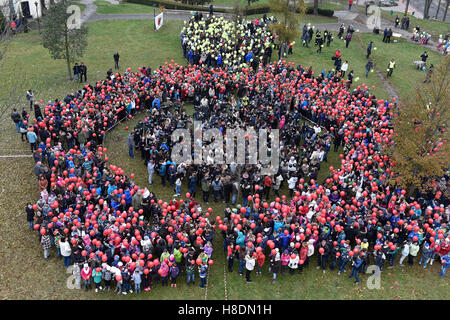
{"type": "Point", "coordinates": [37, 111]}
{"type": "Point", "coordinates": [322, 258]}
{"type": "Point", "coordinates": [76, 71]}
{"type": "Point", "coordinates": [116, 60]}
{"type": "Point", "coordinates": [30, 215]}
{"type": "Point", "coordinates": [83, 72]}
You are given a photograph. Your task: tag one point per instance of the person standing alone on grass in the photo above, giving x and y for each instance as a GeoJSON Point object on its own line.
{"type": "Point", "coordinates": [116, 60]}
{"type": "Point", "coordinates": [424, 56]}
{"type": "Point", "coordinates": [350, 2]}
{"type": "Point", "coordinates": [389, 35]}
{"type": "Point", "coordinates": [391, 67]}
{"type": "Point", "coordinates": [348, 38]}
{"type": "Point", "coordinates": [369, 67]}
{"type": "Point", "coordinates": [150, 170]}
{"type": "Point", "coordinates": [130, 144]}
{"type": "Point", "coordinates": [15, 116]}
{"type": "Point", "coordinates": [30, 98]}
{"type": "Point", "coordinates": [369, 49]}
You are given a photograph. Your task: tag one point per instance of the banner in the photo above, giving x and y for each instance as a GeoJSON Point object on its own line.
{"type": "Point", "coordinates": [159, 21]}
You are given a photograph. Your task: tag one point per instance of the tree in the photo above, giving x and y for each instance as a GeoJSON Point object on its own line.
{"type": "Point", "coordinates": [426, 10]}
{"type": "Point", "coordinates": [287, 28]}
{"type": "Point", "coordinates": [445, 11]}
{"type": "Point", "coordinates": [316, 7]}
{"type": "Point", "coordinates": [237, 13]}
{"type": "Point", "coordinates": [421, 137]}
{"type": "Point", "coordinates": [437, 11]}
{"type": "Point", "coordinates": [406, 7]}
{"type": "Point", "coordinates": [61, 37]}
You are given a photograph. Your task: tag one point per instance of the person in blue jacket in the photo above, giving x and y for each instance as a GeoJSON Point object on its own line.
{"type": "Point", "coordinates": [285, 239]}
{"type": "Point", "coordinates": [162, 173]}
{"type": "Point", "coordinates": [249, 56]}
{"type": "Point", "coordinates": [445, 264]}
{"type": "Point", "coordinates": [356, 267]}
{"type": "Point", "coordinates": [156, 102]}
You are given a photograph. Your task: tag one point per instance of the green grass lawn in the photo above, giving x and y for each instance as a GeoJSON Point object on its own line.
{"type": "Point", "coordinates": [23, 271]}
{"type": "Point", "coordinates": [434, 27]}
{"type": "Point", "coordinates": [104, 7]}
{"type": "Point", "coordinates": [405, 77]}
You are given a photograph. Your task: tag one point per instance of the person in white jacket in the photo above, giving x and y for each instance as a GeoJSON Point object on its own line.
{"type": "Point", "coordinates": [66, 251]}
{"type": "Point", "coordinates": [405, 253]}
{"type": "Point", "coordinates": [413, 251]}
{"type": "Point", "coordinates": [293, 262]}
{"type": "Point", "coordinates": [150, 170]}
{"type": "Point", "coordinates": [291, 185]}
{"type": "Point", "coordinates": [249, 266]}
{"type": "Point", "coordinates": [310, 251]}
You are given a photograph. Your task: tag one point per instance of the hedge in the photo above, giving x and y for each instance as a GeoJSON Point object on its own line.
{"type": "Point", "coordinates": [168, 4]}
{"type": "Point", "coordinates": [250, 10]}
{"type": "Point", "coordinates": [322, 12]}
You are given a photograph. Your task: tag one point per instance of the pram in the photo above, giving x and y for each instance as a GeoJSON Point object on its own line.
{"type": "Point", "coordinates": [420, 64]}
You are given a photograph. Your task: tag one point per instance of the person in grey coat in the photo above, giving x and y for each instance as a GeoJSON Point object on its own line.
{"type": "Point", "coordinates": [150, 170]}
{"type": "Point", "coordinates": [130, 144]}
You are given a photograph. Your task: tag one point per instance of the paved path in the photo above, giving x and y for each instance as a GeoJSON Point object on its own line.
{"type": "Point", "coordinates": [90, 9]}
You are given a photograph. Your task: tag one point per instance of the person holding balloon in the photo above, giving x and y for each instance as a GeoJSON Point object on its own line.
{"type": "Point", "coordinates": [86, 275]}
{"type": "Point", "coordinates": [202, 271]}
{"type": "Point", "coordinates": [97, 277]}
{"type": "Point", "coordinates": [46, 243]}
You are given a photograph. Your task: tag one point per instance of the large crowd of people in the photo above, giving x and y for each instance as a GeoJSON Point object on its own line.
{"type": "Point", "coordinates": [215, 41]}
{"type": "Point", "coordinates": [115, 233]}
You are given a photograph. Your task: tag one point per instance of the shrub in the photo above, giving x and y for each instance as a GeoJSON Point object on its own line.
{"type": "Point", "coordinates": [250, 10]}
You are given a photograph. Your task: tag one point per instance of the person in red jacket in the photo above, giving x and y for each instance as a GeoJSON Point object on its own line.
{"type": "Point", "coordinates": [350, 2]}
{"type": "Point", "coordinates": [86, 274]}
{"type": "Point", "coordinates": [267, 184]}
{"type": "Point", "coordinates": [337, 54]}
{"type": "Point", "coordinates": [230, 256]}
{"type": "Point", "coordinates": [443, 248]}
{"type": "Point", "coordinates": [260, 258]}
{"type": "Point", "coordinates": [303, 255]}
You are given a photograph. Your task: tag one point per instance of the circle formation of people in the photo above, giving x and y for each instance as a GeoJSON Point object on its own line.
{"type": "Point", "coordinates": [111, 231]}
